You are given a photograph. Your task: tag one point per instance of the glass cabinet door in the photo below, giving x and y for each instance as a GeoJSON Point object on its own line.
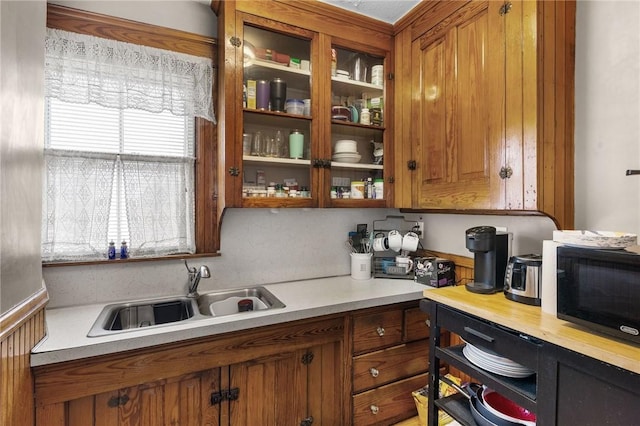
{"type": "Point", "coordinates": [277, 131]}
{"type": "Point", "coordinates": [357, 128]}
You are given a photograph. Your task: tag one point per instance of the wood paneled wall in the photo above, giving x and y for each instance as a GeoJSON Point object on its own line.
{"type": "Point", "coordinates": [20, 329]}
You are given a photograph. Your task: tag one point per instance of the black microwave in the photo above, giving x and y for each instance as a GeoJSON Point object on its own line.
{"type": "Point", "coordinates": [600, 289]}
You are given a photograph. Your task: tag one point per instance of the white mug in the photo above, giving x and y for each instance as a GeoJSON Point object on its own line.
{"type": "Point", "coordinates": [406, 262]}
{"type": "Point", "coordinates": [410, 241]}
{"type": "Point", "coordinates": [395, 240]}
{"type": "Point", "coordinates": [381, 244]}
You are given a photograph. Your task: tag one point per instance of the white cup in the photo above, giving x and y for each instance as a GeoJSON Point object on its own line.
{"type": "Point", "coordinates": [405, 262]}
{"type": "Point", "coordinates": [395, 240]}
{"type": "Point", "coordinates": [410, 241]}
{"type": "Point", "coordinates": [381, 244]}
{"type": "Point", "coordinates": [361, 266]}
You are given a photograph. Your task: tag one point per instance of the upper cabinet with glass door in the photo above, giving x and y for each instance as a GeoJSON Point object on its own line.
{"type": "Point", "coordinates": [278, 131]}
{"type": "Point", "coordinates": [357, 128]}
{"type": "Point", "coordinates": [293, 126]}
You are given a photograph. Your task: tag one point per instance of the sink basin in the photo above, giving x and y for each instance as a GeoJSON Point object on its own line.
{"type": "Point", "coordinates": [135, 315]}
{"type": "Point", "coordinates": [129, 316]}
{"type": "Point", "coordinates": [227, 302]}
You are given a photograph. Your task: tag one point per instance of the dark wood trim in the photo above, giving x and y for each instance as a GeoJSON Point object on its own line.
{"type": "Point", "coordinates": [98, 25]}
{"type": "Point", "coordinates": [17, 316]}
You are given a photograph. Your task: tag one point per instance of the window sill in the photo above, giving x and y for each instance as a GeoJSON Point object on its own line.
{"type": "Point", "coordinates": [130, 260]}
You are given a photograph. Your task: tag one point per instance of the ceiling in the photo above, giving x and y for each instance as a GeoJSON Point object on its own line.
{"type": "Point", "coordinates": [384, 10]}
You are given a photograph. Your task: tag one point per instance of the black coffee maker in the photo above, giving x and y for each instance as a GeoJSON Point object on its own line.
{"type": "Point", "coordinates": [490, 251]}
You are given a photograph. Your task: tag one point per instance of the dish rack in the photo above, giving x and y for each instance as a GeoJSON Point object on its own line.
{"type": "Point", "coordinates": [384, 262]}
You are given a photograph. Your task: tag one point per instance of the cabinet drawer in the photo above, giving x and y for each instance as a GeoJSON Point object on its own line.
{"type": "Point", "coordinates": [377, 330]}
{"type": "Point", "coordinates": [385, 366]}
{"type": "Point", "coordinates": [507, 343]}
{"type": "Point", "coordinates": [415, 325]}
{"type": "Point", "coordinates": [393, 401]}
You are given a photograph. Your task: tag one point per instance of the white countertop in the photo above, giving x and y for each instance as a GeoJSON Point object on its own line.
{"type": "Point", "coordinates": [67, 328]}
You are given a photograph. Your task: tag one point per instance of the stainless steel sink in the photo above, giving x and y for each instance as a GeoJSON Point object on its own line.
{"type": "Point", "coordinates": [150, 313]}
{"type": "Point", "coordinates": [228, 302]}
{"type": "Point", "coordinates": [129, 316]}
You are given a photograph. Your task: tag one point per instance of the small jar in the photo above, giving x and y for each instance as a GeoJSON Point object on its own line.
{"type": "Point", "coordinates": [271, 191]}
{"type": "Point", "coordinates": [334, 192]}
{"type": "Point", "coordinates": [124, 250]}
{"type": "Point", "coordinates": [365, 117]}
{"type": "Point", "coordinates": [304, 192]}
{"type": "Point", "coordinates": [112, 250]}
{"type": "Point", "coordinates": [280, 191]}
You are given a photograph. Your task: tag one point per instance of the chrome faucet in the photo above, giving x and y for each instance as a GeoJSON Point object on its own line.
{"type": "Point", "coordinates": [194, 278]}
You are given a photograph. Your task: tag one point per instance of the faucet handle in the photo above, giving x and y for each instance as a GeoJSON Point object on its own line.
{"type": "Point", "coordinates": [204, 272]}
{"type": "Point", "coordinates": [190, 270]}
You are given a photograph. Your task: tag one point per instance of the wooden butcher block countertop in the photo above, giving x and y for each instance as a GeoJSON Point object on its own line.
{"type": "Point", "coordinates": [532, 321]}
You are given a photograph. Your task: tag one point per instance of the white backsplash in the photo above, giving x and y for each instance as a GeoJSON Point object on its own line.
{"type": "Point", "coordinates": [261, 246]}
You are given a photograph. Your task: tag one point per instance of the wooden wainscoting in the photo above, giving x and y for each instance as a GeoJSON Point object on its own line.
{"type": "Point", "coordinates": [20, 329]}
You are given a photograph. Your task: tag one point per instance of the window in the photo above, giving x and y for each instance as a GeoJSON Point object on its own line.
{"type": "Point", "coordinates": [126, 173]}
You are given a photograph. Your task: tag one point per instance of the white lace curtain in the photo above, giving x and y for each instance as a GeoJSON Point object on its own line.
{"type": "Point", "coordinates": [159, 195]}
{"type": "Point", "coordinates": [82, 69]}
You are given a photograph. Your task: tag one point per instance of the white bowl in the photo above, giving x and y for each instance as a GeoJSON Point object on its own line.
{"type": "Point", "coordinates": [346, 145]}
{"type": "Point", "coordinates": [347, 158]}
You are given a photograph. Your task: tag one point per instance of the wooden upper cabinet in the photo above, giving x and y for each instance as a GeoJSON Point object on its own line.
{"type": "Point", "coordinates": [491, 108]}
{"type": "Point", "coordinates": [454, 143]}
{"type": "Point", "coordinates": [304, 45]}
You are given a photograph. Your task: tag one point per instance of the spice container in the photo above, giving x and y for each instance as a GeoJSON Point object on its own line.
{"type": "Point", "coordinates": [357, 189]}
{"type": "Point", "coordinates": [365, 117]}
{"type": "Point", "coordinates": [296, 144]}
{"type": "Point", "coordinates": [124, 250]}
{"type": "Point", "coordinates": [112, 250]}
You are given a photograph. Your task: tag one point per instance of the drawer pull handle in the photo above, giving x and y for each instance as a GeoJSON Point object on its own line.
{"type": "Point", "coordinates": [374, 409]}
{"type": "Point", "coordinates": [479, 334]}
{"type": "Point", "coordinates": [380, 331]}
{"type": "Point", "coordinates": [374, 372]}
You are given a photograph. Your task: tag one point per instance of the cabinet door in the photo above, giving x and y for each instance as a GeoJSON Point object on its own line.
{"type": "Point", "coordinates": [182, 400]}
{"type": "Point", "coordinates": [289, 388]}
{"type": "Point", "coordinates": [358, 118]}
{"type": "Point", "coordinates": [457, 120]}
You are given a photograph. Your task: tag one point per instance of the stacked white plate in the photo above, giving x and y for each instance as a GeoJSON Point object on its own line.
{"type": "Point", "coordinates": [494, 363]}
{"type": "Point", "coordinates": [346, 151]}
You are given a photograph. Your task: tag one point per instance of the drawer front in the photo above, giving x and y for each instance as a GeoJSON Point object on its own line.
{"type": "Point", "coordinates": [388, 365]}
{"type": "Point", "coordinates": [507, 343]}
{"type": "Point", "coordinates": [415, 324]}
{"type": "Point", "coordinates": [377, 330]}
{"type": "Point", "coordinates": [390, 402]}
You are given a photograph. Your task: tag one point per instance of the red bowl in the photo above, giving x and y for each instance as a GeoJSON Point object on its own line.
{"type": "Point", "coordinates": [493, 400]}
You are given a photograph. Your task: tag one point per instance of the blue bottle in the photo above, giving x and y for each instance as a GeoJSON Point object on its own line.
{"type": "Point", "coordinates": [112, 250]}
{"type": "Point", "coordinates": [124, 250]}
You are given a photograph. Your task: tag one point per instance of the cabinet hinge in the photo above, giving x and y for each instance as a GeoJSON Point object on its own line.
{"type": "Point", "coordinates": [391, 179]}
{"type": "Point", "coordinates": [234, 171]}
{"type": "Point", "coordinates": [225, 395]}
{"type": "Point", "coordinates": [412, 165]}
{"type": "Point", "coordinates": [307, 422]}
{"type": "Point", "coordinates": [118, 400]}
{"type": "Point", "coordinates": [505, 8]}
{"type": "Point", "coordinates": [235, 41]}
{"type": "Point", "coordinates": [307, 358]}
{"type": "Point", "coordinates": [326, 163]}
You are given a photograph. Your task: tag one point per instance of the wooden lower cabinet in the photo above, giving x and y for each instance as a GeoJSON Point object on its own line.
{"type": "Point", "coordinates": [279, 375]}
{"type": "Point", "coordinates": [358, 368]}
{"type": "Point", "coordinates": [390, 350]}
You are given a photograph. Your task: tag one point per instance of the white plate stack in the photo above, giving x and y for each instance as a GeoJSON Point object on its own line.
{"type": "Point", "coordinates": [494, 363]}
{"type": "Point", "coordinates": [346, 151]}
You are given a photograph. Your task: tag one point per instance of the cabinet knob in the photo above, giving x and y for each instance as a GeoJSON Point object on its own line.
{"type": "Point", "coordinates": [374, 409]}
{"type": "Point", "coordinates": [380, 331]}
{"type": "Point", "coordinates": [374, 372]}
{"type": "Point", "coordinates": [505, 173]}
{"type": "Point", "coordinates": [505, 8]}
{"type": "Point", "coordinates": [412, 165]}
